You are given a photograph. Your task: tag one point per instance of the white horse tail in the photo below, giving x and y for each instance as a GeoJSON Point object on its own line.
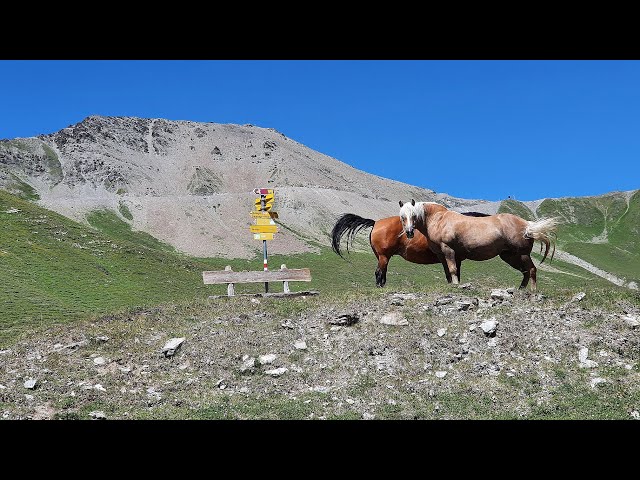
{"type": "Point", "coordinates": [545, 231]}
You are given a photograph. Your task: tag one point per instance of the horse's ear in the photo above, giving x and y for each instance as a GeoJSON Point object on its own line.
{"type": "Point", "coordinates": [401, 203]}
{"type": "Point", "coordinates": [413, 202]}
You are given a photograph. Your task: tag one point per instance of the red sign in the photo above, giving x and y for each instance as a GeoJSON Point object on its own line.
{"type": "Point", "coordinates": [262, 191]}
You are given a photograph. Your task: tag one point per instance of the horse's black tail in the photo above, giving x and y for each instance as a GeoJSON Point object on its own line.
{"type": "Point", "coordinates": [350, 224]}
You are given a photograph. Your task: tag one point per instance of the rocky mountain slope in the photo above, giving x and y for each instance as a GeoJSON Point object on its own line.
{"type": "Point", "coordinates": [190, 184]}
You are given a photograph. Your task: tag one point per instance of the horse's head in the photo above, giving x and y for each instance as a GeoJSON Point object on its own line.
{"type": "Point", "coordinates": [409, 216]}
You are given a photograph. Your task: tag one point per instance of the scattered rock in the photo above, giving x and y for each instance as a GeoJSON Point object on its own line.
{"type": "Point", "coordinates": [489, 327]}
{"type": "Point", "coordinates": [266, 359]}
{"type": "Point", "coordinates": [635, 415]}
{"type": "Point", "coordinates": [441, 374]}
{"type": "Point", "coordinates": [394, 318]}
{"type": "Point", "coordinates": [171, 346]}
{"type": "Point", "coordinates": [2, 387]}
{"type": "Point", "coordinates": [30, 384]}
{"type": "Point", "coordinates": [631, 320]}
{"type": "Point", "coordinates": [29, 398]}
{"type": "Point", "coordinates": [442, 332]}
{"type": "Point", "coordinates": [99, 361]}
{"type": "Point", "coordinates": [276, 372]}
{"type": "Point", "coordinates": [99, 387]}
{"type": "Point", "coordinates": [501, 294]}
{"type": "Point", "coordinates": [248, 365]}
{"type": "Point", "coordinates": [578, 296]}
{"type": "Point", "coordinates": [464, 286]}
{"type": "Point", "coordinates": [368, 416]}
{"type": "Point", "coordinates": [255, 300]}
{"type": "Point", "coordinates": [350, 401]}
{"type": "Point", "coordinates": [11, 210]}
{"type": "Point", "coordinates": [243, 390]}
{"type": "Point", "coordinates": [102, 338]}
{"type": "Point", "coordinates": [463, 305]}
{"type": "Point", "coordinates": [596, 381]}
{"type": "Point", "coordinates": [405, 296]}
{"type": "Point", "coordinates": [287, 324]}
{"type": "Point", "coordinates": [584, 361]}
{"type": "Point", "coordinates": [98, 415]}
{"type": "Point", "coordinates": [444, 301]}
{"type": "Point", "coordinates": [124, 369]}
{"type": "Point", "coordinates": [300, 345]}
{"type": "Point", "coordinates": [345, 319]}
{"type": "Point", "coordinates": [492, 342]}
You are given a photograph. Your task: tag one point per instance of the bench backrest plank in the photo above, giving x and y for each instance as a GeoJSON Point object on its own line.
{"type": "Point", "coordinates": [286, 275]}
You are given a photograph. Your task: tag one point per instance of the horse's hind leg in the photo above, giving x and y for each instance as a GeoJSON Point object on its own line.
{"type": "Point", "coordinates": [381, 271]}
{"type": "Point", "coordinates": [523, 264]}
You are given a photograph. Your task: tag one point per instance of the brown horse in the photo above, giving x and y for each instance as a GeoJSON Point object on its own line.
{"type": "Point", "coordinates": [386, 239]}
{"type": "Point", "coordinates": [454, 237]}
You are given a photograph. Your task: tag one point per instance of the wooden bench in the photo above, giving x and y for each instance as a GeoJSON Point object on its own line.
{"type": "Point", "coordinates": [284, 275]}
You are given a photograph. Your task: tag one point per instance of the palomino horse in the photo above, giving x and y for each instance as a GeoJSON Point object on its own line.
{"type": "Point", "coordinates": [454, 237]}
{"type": "Point", "coordinates": [387, 239]}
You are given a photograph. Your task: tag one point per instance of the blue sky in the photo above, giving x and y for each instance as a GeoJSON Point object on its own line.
{"type": "Point", "coordinates": [473, 129]}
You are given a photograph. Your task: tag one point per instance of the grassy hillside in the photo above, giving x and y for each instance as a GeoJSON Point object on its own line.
{"type": "Point", "coordinates": [517, 208]}
{"type": "Point", "coordinates": [55, 270]}
{"type": "Point", "coordinates": [601, 230]}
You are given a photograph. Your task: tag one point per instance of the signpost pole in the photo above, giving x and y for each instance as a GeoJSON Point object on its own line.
{"type": "Point", "coordinates": [264, 246]}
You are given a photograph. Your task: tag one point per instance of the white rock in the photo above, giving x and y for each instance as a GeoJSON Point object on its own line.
{"type": "Point", "coordinates": [248, 364]}
{"type": "Point", "coordinates": [588, 364]}
{"type": "Point", "coordinates": [256, 301]}
{"type": "Point", "coordinates": [29, 397]}
{"type": "Point", "coordinates": [578, 296]}
{"type": "Point", "coordinates": [472, 327]}
{"type": "Point", "coordinates": [30, 384]}
{"type": "Point", "coordinates": [442, 332]}
{"type": "Point", "coordinates": [276, 372]}
{"type": "Point", "coordinates": [583, 353]}
{"type": "Point", "coordinates": [12, 210]}
{"type": "Point", "coordinates": [350, 401]}
{"type": "Point", "coordinates": [124, 369]}
{"type": "Point", "coordinates": [98, 415]}
{"type": "Point", "coordinates": [58, 346]}
{"type": "Point", "coordinates": [368, 416]}
{"type": "Point", "coordinates": [635, 415]}
{"type": "Point", "coordinates": [596, 381]}
{"type": "Point", "coordinates": [489, 326]}
{"type": "Point", "coordinates": [99, 360]}
{"type": "Point", "coordinates": [631, 320]}
{"type": "Point", "coordinates": [394, 318]}
{"type": "Point", "coordinates": [244, 390]}
{"type": "Point", "coordinates": [172, 345]}
{"type": "Point", "coordinates": [102, 338]}
{"type": "Point", "coordinates": [2, 387]}
{"type": "Point", "coordinates": [99, 387]}
{"type": "Point", "coordinates": [441, 374]}
{"type": "Point", "coordinates": [492, 342]}
{"type": "Point", "coordinates": [300, 345]}
{"type": "Point", "coordinates": [266, 359]}
{"type": "Point", "coordinates": [501, 294]}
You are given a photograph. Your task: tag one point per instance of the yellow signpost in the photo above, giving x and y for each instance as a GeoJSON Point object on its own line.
{"type": "Point", "coordinates": [264, 227]}
{"type": "Point", "coordinates": [263, 236]}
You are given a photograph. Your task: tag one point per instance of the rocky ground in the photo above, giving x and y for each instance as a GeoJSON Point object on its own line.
{"type": "Point", "coordinates": [463, 353]}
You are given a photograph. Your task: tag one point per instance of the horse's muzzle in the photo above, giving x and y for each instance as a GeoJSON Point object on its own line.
{"type": "Point", "coordinates": [409, 233]}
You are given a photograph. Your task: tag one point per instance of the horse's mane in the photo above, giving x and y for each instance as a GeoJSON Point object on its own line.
{"type": "Point", "coordinates": [417, 210]}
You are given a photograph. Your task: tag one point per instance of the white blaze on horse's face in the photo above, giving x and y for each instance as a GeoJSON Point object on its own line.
{"type": "Point", "coordinates": [408, 218]}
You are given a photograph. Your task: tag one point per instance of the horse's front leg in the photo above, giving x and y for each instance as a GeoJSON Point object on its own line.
{"type": "Point", "coordinates": [452, 264]}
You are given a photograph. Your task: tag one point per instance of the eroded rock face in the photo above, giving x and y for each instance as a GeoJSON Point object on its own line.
{"type": "Point", "coordinates": [190, 184]}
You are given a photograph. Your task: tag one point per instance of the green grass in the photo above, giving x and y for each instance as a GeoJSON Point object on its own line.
{"type": "Point", "coordinates": [606, 219]}
{"type": "Point", "coordinates": [54, 270]}
{"type": "Point", "coordinates": [516, 208]}
{"type": "Point", "coordinates": [53, 164]}
{"type": "Point", "coordinates": [21, 189]}
{"type": "Point", "coordinates": [124, 211]}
